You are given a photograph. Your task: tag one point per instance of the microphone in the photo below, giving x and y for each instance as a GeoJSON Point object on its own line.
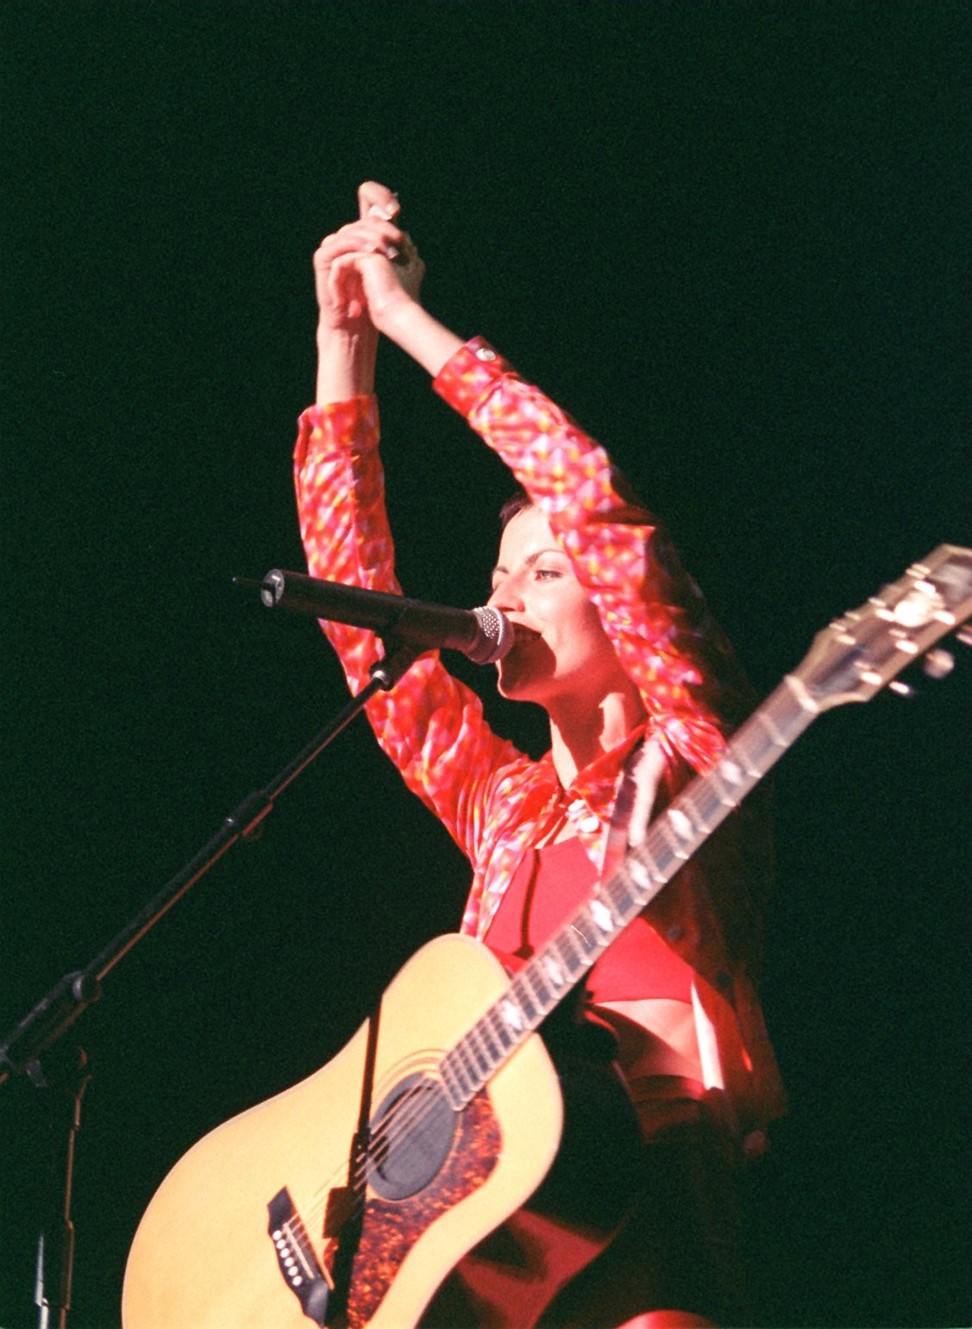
{"type": "Point", "coordinates": [484, 635]}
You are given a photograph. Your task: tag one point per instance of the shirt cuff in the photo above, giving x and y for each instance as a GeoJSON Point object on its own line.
{"type": "Point", "coordinates": [340, 426]}
{"type": "Point", "coordinates": [470, 374]}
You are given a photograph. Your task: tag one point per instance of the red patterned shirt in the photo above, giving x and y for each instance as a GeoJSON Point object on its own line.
{"type": "Point", "coordinates": [432, 725]}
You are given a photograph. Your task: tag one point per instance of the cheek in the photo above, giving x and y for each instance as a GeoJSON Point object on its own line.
{"type": "Point", "coordinates": [597, 644]}
{"type": "Point", "coordinates": [587, 619]}
{"type": "Point", "coordinates": [579, 626]}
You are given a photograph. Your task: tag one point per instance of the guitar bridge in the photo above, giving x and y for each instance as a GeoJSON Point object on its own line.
{"type": "Point", "coordinates": [296, 1260]}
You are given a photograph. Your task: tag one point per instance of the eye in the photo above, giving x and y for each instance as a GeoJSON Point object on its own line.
{"type": "Point", "coordinates": [547, 574]}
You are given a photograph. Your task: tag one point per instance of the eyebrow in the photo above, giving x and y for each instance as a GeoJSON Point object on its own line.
{"type": "Point", "coordinates": [532, 558]}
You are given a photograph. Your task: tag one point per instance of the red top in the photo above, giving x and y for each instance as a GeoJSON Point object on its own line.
{"type": "Point", "coordinates": [549, 886]}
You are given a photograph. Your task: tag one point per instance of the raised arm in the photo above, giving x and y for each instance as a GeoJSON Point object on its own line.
{"type": "Point", "coordinates": [664, 636]}
{"type": "Point", "coordinates": [430, 724]}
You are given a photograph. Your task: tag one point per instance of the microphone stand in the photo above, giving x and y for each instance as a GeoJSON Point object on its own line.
{"type": "Point", "coordinates": [25, 1050]}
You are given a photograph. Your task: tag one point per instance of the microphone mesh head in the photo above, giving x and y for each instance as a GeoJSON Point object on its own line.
{"type": "Point", "coordinates": [497, 636]}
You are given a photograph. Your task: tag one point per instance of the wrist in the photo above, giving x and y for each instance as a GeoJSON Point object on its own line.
{"type": "Point", "coordinates": [394, 313]}
{"type": "Point", "coordinates": [345, 363]}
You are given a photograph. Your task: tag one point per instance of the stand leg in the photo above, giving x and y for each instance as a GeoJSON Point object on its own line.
{"type": "Point", "coordinates": [55, 1246]}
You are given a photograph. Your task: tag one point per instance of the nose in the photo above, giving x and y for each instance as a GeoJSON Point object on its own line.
{"type": "Point", "coordinates": [507, 595]}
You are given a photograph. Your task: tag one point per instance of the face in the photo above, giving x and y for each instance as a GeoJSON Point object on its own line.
{"type": "Point", "coordinates": [561, 652]}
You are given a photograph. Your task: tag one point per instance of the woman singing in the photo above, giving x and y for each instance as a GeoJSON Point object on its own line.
{"type": "Point", "coordinates": [613, 640]}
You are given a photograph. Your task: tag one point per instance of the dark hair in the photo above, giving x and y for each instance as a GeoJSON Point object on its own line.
{"type": "Point", "coordinates": [519, 502]}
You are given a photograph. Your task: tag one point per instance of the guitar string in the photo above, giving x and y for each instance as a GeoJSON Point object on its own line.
{"type": "Point", "coordinates": [417, 1104]}
{"type": "Point", "coordinates": [402, 1119]}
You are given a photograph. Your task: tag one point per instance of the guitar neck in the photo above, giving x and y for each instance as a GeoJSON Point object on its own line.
{"type": "Point", "coordinates": [670, 841]}
{"type": "Point", "coordinates": [851, 660]}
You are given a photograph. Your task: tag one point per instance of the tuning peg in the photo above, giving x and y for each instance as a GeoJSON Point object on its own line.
{"type": "Point", "coordinates": [935, 664]}
{"type": "Point", "coordinates": [938, 663]}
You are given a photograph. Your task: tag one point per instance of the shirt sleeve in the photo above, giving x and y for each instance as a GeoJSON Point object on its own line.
{"type": "Point", "coordinates": [667, 641]}
{"type": "Point", "coordinates": [430, 724]}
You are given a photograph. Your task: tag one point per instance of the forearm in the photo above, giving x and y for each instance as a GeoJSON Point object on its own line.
{"type": "Point", "coordinates": [419, 335]}
{"type": "Point", "coordinates": [346, 361]}
{"type": "Point", "coordinates": [345, 364]}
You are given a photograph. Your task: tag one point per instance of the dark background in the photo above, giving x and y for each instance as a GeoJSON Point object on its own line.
{"type": "Point", "coordinates": [732, 239]}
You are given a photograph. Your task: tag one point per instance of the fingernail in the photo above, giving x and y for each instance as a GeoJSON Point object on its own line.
{"type": "Point", "coordinates": [376, 210]}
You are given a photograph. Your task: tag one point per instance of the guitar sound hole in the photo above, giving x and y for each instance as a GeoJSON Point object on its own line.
{"type": "Point", "coordinates": [411, 1135]}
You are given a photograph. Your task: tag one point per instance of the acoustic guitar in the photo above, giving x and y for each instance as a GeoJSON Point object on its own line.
{"type": "Point", "coordinates": [349, 1198]}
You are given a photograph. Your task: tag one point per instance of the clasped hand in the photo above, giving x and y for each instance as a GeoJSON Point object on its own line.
{"type": "Point", "coordinates": [368, 269]}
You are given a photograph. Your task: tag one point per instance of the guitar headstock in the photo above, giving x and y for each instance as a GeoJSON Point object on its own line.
{"type": "Point", "coordinates": [863, 651]}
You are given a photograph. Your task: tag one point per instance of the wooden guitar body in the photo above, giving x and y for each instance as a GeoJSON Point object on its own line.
{"type": "Point", "coordinates": [205, 1255]}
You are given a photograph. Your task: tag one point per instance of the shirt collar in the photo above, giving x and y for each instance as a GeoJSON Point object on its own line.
{"type": "Point", "coordinates": [597, 783]}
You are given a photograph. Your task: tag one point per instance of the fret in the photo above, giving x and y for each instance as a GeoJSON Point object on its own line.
{"type": "Point", "coordinates": [663, 831]}
{"type": "Point", "coordinates": [708, 808]}
{"type": "Point", "coordinates": [570, 952]}
{"type": "Point", "coordinates": [512, 1024]}
{"type": "Point", "coordinates": [728, 776]}
{"type": "Point", "coordinates": [641, 874]}
{"type": "Point", "coordinates": [682, 824]}
{"type": "Point", "coordinates": [501, 1036]}
{"type": "Point", "coordinates": [538, 989]}
{"type": "Point", "coordinates": [526, 1002]}
{"type": "Point", "coordinates": [465, 1067]}
{"type": "Point", "coordinates": [478, 1049]}
{"type": "Point", "coordinates": [663, 858]}
{"type": "Point", "coordinates": [459, 1085]}
{"type": "Point", "coordinates": [553, 969]}
{"type": "Point", "coordinates": [769, 732]}
{"type": "Point", "coordinates": [623, 899]}
{"type": "Point", "coordinates": [491, 1046]}
{"type": "Point", "coordinates": [582, 935]}
{"type": "Point", "coordinates": [766, 718]}
{"type": "Point", "coordinates": [729, 796]}
{"type": "Point", "coordinates": [754, 750]}
{"type": "Point", "coordinates": [792, 698]}
{"type": "Point", "coordinates": [451, 1081]}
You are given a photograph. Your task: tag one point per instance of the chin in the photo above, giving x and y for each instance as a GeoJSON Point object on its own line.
{"type": "Point", "coordinates": [511, 688]}
{"type": "Point", "coordinates": [520, 689]}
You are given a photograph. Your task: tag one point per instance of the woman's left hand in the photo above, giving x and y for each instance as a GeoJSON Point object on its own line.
{"type": "Point", "coordinates": [388, 281]}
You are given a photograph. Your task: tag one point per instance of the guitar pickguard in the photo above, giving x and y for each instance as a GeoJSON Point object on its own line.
{"type": "Point", "coordinates": [390, 1228]}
